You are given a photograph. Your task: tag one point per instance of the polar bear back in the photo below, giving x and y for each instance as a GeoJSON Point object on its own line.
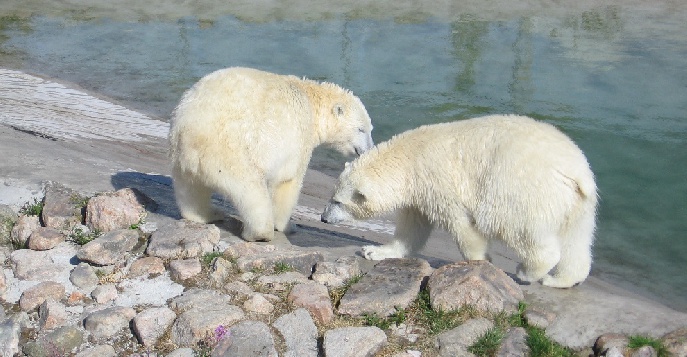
{"type": "Point", "coordinates": [511, 174]}
{"type": "Point", "coordinates": [224, 107]}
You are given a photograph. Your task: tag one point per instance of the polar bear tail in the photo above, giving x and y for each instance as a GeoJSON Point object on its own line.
{"type": "Point", "coordinates": [577, 236]}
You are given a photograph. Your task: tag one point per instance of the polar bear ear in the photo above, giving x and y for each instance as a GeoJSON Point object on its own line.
{"type": "Point", "coordinates": [338, 110]}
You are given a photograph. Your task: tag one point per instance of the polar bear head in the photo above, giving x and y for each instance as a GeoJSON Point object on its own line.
{"type": "Point", "coordinates": [369, 186]}
{"type": "Point", "coordinates": [348, 126]}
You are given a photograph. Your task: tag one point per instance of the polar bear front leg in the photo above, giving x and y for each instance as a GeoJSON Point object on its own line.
{"type": "Point", "coordinates": [284, 199]}
{"type": "Point", "coordinates": [471, 243]}
{"type": "Point", "coordinates": [411, 234]}
{"type": "Point", "coordinates": [539, 259]}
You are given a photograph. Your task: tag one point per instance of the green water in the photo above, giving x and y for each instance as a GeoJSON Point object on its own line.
{"type": "Point", "coordinates": [612, 76]}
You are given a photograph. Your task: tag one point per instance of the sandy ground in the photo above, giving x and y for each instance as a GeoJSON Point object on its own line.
{"type": "Point", "coordinates": [58, 132]}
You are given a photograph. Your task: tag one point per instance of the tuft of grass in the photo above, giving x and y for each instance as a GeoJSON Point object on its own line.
{"type": "Point", "coordinates": [281, 267]}
{"type": "Point", "coordinates": [542, 346]}
{"type": "Point", "coordinates": [437, 321]}
{"type": "Point", "coordinates": [489, 343]}
{"type": "Point", "coordinates": [32, 208]}
{"type": "Point", "coordinates": [385, 323]}
{"type": "Point", "coordinates": [208, 258]}
{"type": "Point", "coordinates": [336, 294]}
{"type": "Point", "coordinates": [641, 341]}
{"type": "Point", "coordinates": [80, 237]}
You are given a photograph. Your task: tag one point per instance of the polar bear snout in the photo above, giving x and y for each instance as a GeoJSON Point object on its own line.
{"type": "Point", "coordinates": [362, 143]}
{"type": "Point", "coordinates": [334, 213]}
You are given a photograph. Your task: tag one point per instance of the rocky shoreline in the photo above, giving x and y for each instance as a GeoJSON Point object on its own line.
{"type": "Point", "coordinates": [76, 295]}
{"type": "Point", "coordinates": [106, 276]}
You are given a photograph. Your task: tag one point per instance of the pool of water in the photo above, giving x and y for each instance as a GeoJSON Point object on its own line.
{"type": "Point", "coordinates": [612, 75]}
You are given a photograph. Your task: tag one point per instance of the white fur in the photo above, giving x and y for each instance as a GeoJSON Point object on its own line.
{"type": "Point", "coordinates": [509, 178]}
{"type": "Point", "coordinates": [249, 136]}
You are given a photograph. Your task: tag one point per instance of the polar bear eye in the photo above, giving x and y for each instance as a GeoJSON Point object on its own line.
{"type": "Point", "coordinates": [358, 197]}
{"type": "Point", "coordinates": [361, 130]}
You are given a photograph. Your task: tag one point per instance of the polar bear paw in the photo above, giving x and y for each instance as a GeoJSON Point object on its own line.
{"type": "Point", "coordinates": [374, 252]}
{"type": "Point", "coordinates": [524, 275]}
{"type": "Point", "coordinates": [557, 282]}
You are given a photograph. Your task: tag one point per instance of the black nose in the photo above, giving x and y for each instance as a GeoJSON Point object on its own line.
{"type": "Point", "coordinates": [323, 219]}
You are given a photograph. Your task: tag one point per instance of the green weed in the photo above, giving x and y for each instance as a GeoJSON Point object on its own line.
{"type": "Point", "coordinates": [208, 258]}
{"type": "Point", "coordinates": [489, 343]}
{"type": "Point", "coordinates": [32, 208]}
{"type": "Point", "coordinates": [641, 341]}
{"type": "Point", "coordinates": [282, 267]}
{"type": "Point", "coordinates": [80, 237]}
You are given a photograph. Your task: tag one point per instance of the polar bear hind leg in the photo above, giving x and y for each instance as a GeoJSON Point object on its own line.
{"type": "Point", "coordinates": [252, 200]}
{"type": "Point", "coordinates": [576, 254]}
{"type": "Point", "coordinates": [410, 236]}
{"type": "Point", "coordinates": [284, 199]}
{"type": "Point", "coordinates": [193, 199]}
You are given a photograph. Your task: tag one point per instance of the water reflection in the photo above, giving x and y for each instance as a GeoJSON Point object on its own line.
{"type": "Point", "coordinates": [610, 75]}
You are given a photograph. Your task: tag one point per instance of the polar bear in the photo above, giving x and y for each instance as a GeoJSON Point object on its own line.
{"type": "Point", "coordinates": [500, 177]}
{"type": "Point", "coordinates": [249, 135]}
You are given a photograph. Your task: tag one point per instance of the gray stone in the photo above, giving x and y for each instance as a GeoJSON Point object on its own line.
{"type": "Point", "coordinates": [353, 341]}
{"type": "Point", "coordinates": [198, 299]}
{"type": "Point", "coordinates": [110, 248]}
{"type": "Point", "coordinates": [3, 285]}
{"type": "Point", "coordinates": [314, 297]}
{"type": "Point", "coordinates": [258, 304]}
{"type": "Point", "coordinates": [7, 220]}
{"type": "Point", "coordinates": [247, 249]}
{"type": "Point", "coordinates": [238, 289]}
{"type": "Point", "coordinates": [299, 333]}
{"type": "Point", "coordinates": [455, 342]}
{"type": "Point", "coordinates": [644, 351]}
{"type": "Point", "coordinates": [281, 282]}
{"type": "Point", "coordinates": [337, 273]}
{"type": "Point", "coordinates": [199, 322]}
{"type": "Point", "coordinates": [35, 265]}
{"type": "Point", "coordinates": [22, 230]}
{"type": "Point", "coordinates": [146, 266]}
{"type": "Point", "coordinates": [59, 342]}
{"type": "Point", "coordinates": [183, 239]}
{"type": "Point", "coordinates": [150, 324]}
{"type": "Point", "coordinates": [613, 352]}
{"type": "Point", "coordinates": [182, 352]}
{"type": "Point", "coordinates": [147, 292]}
{"type": "Point", "coordinates": [247, 338]}
{"type": "Point", "coordinates": [184, 269]}
{"type": "Point", "coordinates": [51, 314]}
{"type": "Point", "coordinates": [34, 296]}
{"type": "Point", "coordinates": [514, 343]}
{"type": "Point", "coordinates": [116, 210]}
{"type": "Point", "coordinates": [301, 261]}
{"type": "Point", "coordinates": [539, 317]}
{"type": "Point", "coordinates": [62, 207]}
{"type": "Point", "coordinates": [83, 276]}
{"type": "Point", "coordinates": [405, 334]}
{"type": "Point", "coordinates": [477, 283]}
{"type": "Point", "coordinates": [220, 270]}
{"type": "Point", "coordinates": [98, 351]}
{"type": "Point", "coordinates": [45, 238]}
{"type": "Point", "coordinates": [9, 337]}
{"type": "Point", "coordinates": [200, 312]}
{"type": "Point", "coordinates": [104, 293]}
{"type": "Point", "coordinates": [391, 284]}
{"type": "Point", "coordinates": [108, 322]}
{"type": "Point", "coordinates": [676, 342]}
{"type": "Point", "coordinates": [609, 340]}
